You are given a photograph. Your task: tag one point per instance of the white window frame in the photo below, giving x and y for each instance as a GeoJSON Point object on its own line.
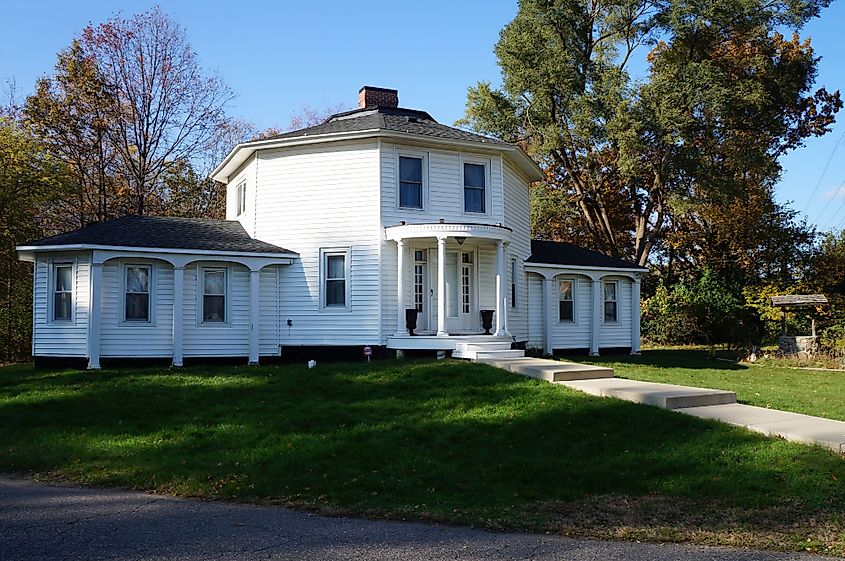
{"type": "Point", "coordinates": [574, 282]}
{"type": "Point", "coordinates": [325, 253]}
{"type": "Point", "coordinates": [240, 194]}
{"type": "Point", "coordinates": [227, 296]}
{"type": "Point", "coordinates": [419, 154]}
{"type": "Point", "coordinates": [604, 300]}
{"type": "Point", "coordinates": [514, 288]}
{"type": "Point", "coordinates": [488, 184]}
{"type": "Point", "coordinates": [51, 288]}
{"type": "Point", "coordinates": [151, 321]}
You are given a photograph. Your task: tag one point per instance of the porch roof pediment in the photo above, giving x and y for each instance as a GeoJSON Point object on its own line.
{"type": "Point", "coordinates": [448, 229]}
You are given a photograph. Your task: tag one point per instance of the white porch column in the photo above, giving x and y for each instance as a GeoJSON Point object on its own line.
{"type": "Point", "coordinates": [500, 292]}
{"type": "Point", "coordinates": [549, 302]}
{"type": "Point", "coordinates": [441, 286]}
{"type": "Point", "coordinates": [401, 329]}
{"type": "Point", "coordinates": [178, 294]}
{"type": "Point", "coordinates": [597, 316]}
{"type": "Point", "coordinates": [635, 315]}
{"type": "Point", "coordinates": [254, 314]}
{"type": "Point", "coordinates": [94, 316]}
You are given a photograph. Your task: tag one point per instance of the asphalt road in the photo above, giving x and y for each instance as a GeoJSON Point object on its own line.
{"type": "Point", "coordinates": [59, 522]}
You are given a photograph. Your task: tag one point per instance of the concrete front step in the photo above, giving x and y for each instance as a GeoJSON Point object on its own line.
{"type": "Point", "coordinates": [549, 370]}
{"type": "Point", "coordinates": [667, 396]}
{"type": "Point", "coordinates": [488, 354]}
{"type": "Point", "coordinates": [484, 346]}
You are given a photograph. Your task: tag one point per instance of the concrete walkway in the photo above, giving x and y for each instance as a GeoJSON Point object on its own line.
{"type": "Point", "coordinates": [56, 523]}
{"type": "Point", "coordinates": [700, 402]}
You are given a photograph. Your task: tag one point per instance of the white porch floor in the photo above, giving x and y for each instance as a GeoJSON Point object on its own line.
{"type": "Point", "coordinates": [435, 343]}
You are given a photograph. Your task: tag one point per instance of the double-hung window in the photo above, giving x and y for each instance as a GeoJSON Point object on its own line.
{"type": "Point", "coordinates": [610, 308]}
{"type": "Point", "coordinates": [410, 182]}
{"type": "Point", "coordinates": [334, 279]}
{"type": "Point", "coordinates": [62, 292]}
{"type": "Point", "coordinates": [566, 300]}
{"type": "Point", "coordinates": [241, 194]}
{"type": "Point", "coordinates": [214, 295]}
{"type": "Point", "coordinates": [136, 306]}
{"type": "Point", "coordinates": [475, 187]}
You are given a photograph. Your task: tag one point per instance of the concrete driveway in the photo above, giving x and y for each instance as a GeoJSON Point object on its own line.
{"type": "Point", "coordinates": [60, 522]}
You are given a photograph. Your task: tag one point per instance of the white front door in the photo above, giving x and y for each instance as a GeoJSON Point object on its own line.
{"type": "Point", "coordinates": [461, 292]}
{"type": "Point", "coordinates": [422, 294]}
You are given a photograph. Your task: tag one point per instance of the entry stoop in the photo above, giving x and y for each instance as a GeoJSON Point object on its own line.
{"type": "Point", "coordinates": [487, 350]}
{"type": "Point", "coordinates": [549, 370]}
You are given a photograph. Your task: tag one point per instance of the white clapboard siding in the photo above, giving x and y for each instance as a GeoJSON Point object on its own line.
{"type": "Point", "coordinates": [245, 173]}
{"type": "Point", "coordinates": [315, 198]}
{"type": "Point", "coordinates": [269, 313]}
{"type": "Point", "coordinates": [535, 311]}
{"type": "Point", "coordinates": [518, 219]}
{"type": "Point", "coordinates": [445, 196]}
{"type": "Point", "coordinates": [574, 335]}
{"type": "Point", "coordinates": [126, 339]}
{"type": "Point", "coordinates": [55, 338]}
{"type": "Point", "coordinates": [618, 334]}
{"type": "Point", "coordinates": [229, 339]}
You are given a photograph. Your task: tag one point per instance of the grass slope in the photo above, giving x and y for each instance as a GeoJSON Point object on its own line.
{"type": "Point", "coordinates": [811, 392]}
{"type": "Point", "coordinates": [444, 440]}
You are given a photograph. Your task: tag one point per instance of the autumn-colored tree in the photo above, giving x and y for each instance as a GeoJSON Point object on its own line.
{"type": "Point", "coordinates": [69, 112]}
{"type": "Point", "coordinates": [163, 108]}
{"type": "Point", "coordinates": [31, 179]}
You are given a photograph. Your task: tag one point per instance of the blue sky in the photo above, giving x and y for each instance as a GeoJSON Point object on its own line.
{"type": "Point", "coordinates": [279, 56]}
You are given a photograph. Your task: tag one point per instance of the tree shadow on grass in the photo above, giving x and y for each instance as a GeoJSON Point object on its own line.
{"type": "Point", "coordinates": [449, 441]}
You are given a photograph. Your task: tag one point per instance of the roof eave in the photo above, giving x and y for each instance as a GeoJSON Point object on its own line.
{"type": "Point", "coordinates": [32, 249]}
{"type": "Point", "coordinates": [233, 160]}
{"type": "Point", "coordinates": [633, 269]}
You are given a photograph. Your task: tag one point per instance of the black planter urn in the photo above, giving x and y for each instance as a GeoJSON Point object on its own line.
{"type": "Point", "coordinates": [487, 320]}
{"type": "Point", "coordinates": [411, 319]}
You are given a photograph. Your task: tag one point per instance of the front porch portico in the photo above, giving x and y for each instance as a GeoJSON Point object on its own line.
{"type": "Point", "coordinates": [449, 296]}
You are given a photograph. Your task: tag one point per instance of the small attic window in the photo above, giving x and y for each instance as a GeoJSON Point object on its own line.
{"type": "Point", "coordinates": [412, 119]}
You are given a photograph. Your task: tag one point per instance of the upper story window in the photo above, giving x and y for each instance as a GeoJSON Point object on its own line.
{"type": "Point", "coordinates": [610, 310]}
{"type": "Point", "coordinates": [214, 295]}
{"type": "Point", "coordinates": [62, 292]}
{"type": "Point", "coordinates": [566, 306]}
{"type": "Point", "coordinates": [241, 194]}
{"type": "Point", "coordinates": [334, 278]}
{"type": "Point", "coordinates": [410, 182]}
{"type": "Point", "coordinates": [475, 187]}
{"type": "Point", "coordinates": [137, 293]}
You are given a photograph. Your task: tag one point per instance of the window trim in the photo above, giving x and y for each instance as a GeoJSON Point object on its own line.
{"type": "Point", "coordinates": [514, 283]}
{"type": "Point", "coordinates": [227, 296]}
{"type": "Point", "coordinates": [51, 290]}
{"type": "Point", "coordinates": [240, 195]}
{"type": "Point", "coordinates": [421, 155]}
{"type": "Point", "coordinates": [488, 188]}
{"type": "Point", "coordinates": [604, 301]}
{"type": "Point", "coordinates": [574, 320]}
{"type": "Point", "coordinates": [122, 321]}
{"type": "Point", "coordinates": [325, 253]}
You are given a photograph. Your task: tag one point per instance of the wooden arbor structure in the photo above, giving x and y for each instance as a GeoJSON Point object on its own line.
{"type": "Point", "coordinates": [798, 343]}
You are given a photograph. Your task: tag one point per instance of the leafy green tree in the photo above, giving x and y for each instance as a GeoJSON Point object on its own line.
{"type": "Point", "coordinates": [725, 96]}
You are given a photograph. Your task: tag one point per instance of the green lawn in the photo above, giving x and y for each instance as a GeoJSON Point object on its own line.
{"type": "Point", "coordinates": [812, 392]}
{"type": "Point", "coordinates": [444, 440]}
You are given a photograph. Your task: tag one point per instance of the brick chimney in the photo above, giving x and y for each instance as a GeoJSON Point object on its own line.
{"type": "Point", "coordinates": [369, 96]}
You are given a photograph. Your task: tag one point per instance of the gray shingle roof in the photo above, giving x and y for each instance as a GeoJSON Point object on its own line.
{"type": "Point", "coordinates": [562, 253]}
{"type": "Point", "coordinates": [799, 300]}
{"type": "Point", "coordinates": [395, 119]}
{"type": "Point", "coordinates": [167, 233]}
